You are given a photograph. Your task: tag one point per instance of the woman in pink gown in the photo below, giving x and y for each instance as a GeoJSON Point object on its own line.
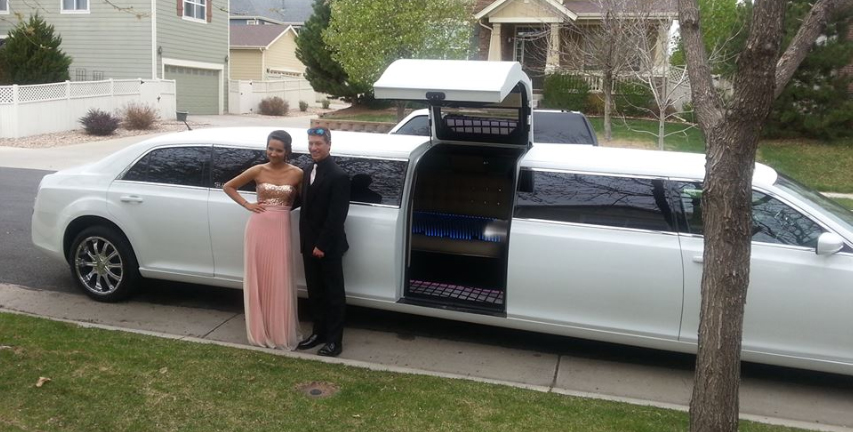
{"type": "Point", "coordinates": [269, 291]}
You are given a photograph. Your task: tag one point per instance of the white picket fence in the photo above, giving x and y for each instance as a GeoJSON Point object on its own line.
{"type": "Point", "coordinates": [245, 96]}
{"type": "Point", "coordinates": [36, 109]}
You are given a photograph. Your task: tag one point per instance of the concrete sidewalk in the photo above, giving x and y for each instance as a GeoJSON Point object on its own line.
{"type": "Point", "coordinates": [764, 401]}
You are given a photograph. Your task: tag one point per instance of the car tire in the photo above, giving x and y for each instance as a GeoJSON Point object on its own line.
{"type": "Point", "coordinates": [103, 264]}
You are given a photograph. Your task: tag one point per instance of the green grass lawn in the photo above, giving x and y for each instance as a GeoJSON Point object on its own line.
{"type": "Point", "coordinates": [683, 137]}
{"type": "Point", "coordinates": [822, 166]}
{"type": "Point", "coordinates": [113, 381]}
{"type": "Point", "coordinates": [845, 202]}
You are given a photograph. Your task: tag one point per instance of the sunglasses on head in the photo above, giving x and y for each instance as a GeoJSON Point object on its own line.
{"type": "Point", "coordinates": [317, 131]}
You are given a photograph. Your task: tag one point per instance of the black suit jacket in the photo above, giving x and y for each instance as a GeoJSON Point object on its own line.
{"type": "Point", "coordinates": [324, 210]}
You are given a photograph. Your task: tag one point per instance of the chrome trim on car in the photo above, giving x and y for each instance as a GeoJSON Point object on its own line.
{"type": "Point", "coordinates": [594, 173]}
{"type": "Point", "coordinates": [374, 205]}
{"type": "Point", "coordinates": [166, 184]}
{"type": "Point", "coordinates": [583, 225]}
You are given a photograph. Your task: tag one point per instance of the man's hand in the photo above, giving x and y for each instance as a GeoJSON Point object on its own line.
{"type": "Point", "coordinates": [317, 253]}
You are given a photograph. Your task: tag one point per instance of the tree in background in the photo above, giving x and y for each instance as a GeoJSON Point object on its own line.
{"type": "Point", "coordinates": [724, 25]}
{"type": "Point", "coordinates": [668, 85]}
{"type": "Point", "coordinates": [368, 35]}
{"type": "Point", "coordinates": [324, 73]}
{"type": "Point", "coordinates": [609, 47]}
{"type": "Point", "coordinates": [816, 102]}
{"type": "Point", "coordinates": [31, 54]}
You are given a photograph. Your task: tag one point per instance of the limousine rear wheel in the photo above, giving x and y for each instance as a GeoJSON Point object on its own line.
{"type": "Point", "coordinates": [103, 264]}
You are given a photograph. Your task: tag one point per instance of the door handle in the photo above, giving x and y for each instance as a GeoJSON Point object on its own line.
{"type": "Point", "coordinates": [698, 259]}
{"type": "Point", "coordinates": [131, 199]}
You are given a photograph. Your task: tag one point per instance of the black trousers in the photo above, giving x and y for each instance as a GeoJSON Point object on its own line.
{"type": "Point", "coordinates": [326, 296]}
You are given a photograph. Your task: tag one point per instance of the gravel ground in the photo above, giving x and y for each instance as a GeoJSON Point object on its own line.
{"type": "Point", "coordinates": [79, 136]}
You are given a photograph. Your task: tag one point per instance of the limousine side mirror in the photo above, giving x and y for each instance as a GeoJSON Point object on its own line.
{"type": "Point", "coordinates": [829, 243]}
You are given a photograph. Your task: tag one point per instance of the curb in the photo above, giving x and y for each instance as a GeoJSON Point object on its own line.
{"type": "Point", "coordinates": [411, 371]}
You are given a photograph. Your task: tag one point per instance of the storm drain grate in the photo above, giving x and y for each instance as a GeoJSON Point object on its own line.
{"type": "Point", "coordinates": [437, 290]}
{"type": "Point", "coordinates": [317, 390]}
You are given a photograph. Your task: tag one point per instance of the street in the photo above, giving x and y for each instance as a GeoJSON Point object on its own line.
{"type": "Point", "coordinates": [596, 367]}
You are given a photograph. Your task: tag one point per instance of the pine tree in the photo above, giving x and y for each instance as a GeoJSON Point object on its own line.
{"type": "Point", "coordinates": [31, 54]}
{"type": "Point", "coordinates": [816, 102]}
{"type": "Point", "coordinates": [325, 74]}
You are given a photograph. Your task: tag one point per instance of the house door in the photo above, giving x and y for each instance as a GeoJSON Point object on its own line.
{"type": "Point", "coordinates": [531, 50]}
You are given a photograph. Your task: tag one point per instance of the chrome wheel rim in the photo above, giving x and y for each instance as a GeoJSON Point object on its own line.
{"type": "Point", "coordinates": [98, 265]}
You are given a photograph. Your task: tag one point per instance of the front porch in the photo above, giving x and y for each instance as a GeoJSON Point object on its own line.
{"type": "Point", "coordinates": [548, 36]}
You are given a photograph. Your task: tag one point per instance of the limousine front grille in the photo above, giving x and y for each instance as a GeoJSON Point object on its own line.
{"type": "Point", "coordinates": [457, 293]}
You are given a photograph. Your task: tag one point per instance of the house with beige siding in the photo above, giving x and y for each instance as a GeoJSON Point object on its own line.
{"type": "Point", "coordinates": [543, 35]}
{"type": "Point", "coordinates": [263, 52]}
{"type": "Point", "coordinates": [183, 40]}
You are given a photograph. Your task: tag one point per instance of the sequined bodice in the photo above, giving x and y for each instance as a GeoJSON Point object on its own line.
{"type": "Point", "coordinates": [270, 194]}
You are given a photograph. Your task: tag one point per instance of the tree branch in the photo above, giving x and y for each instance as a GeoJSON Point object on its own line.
{"type": "Point", "coordinates": [813, 24]}
{"type": "Point", "coordinates": [706, 102]}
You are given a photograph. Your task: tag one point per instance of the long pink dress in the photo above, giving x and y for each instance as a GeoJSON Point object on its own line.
{"type": "Point", "coordinates": [269, 292]}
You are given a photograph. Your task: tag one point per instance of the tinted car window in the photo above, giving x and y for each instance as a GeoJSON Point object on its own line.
{"type": "Point", "coordinates": [230, 162]}
{"type": "Point", "coordinates": [772, 220]}
{"type": "Point", "coordinates": [596, 200]}
{"type": "Point", "coordinates": [373, 181]}
{"type": "Point", "coordinates": [186, 166]}
{"type": "Point", "coordinates": [416, 126]}
{"type": "Point", "coordinates": [561, 128]}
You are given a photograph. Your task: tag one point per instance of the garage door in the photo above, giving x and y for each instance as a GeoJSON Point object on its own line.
{"type": "Point", "coordinates": [197, 89]}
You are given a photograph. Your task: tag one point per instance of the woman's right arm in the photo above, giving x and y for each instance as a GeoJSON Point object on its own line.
{"type": "Point", "coordinates": [231, 187]}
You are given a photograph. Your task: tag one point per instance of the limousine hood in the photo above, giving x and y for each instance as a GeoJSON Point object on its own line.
{"type": "Point", "coordinates": [451, 81]}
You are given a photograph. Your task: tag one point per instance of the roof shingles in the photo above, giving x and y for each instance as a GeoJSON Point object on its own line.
{"type": "Point", "coordinates": [286, 11]}
{"type": "Point", "coordinates": [252, 36]}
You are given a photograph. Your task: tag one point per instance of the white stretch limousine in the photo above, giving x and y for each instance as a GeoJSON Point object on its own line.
{"type": "Point", "coordinates": [475, 224]}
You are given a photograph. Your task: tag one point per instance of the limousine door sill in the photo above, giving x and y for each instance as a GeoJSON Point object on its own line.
{"type": "Point", "coordinates": [452, 307]}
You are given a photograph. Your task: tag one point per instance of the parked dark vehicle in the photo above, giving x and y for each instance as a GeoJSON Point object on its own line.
{"type": "Point", "coordinates": [549, 127]}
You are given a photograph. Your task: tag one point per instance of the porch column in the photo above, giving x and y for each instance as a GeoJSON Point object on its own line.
{"type": "Point", "coordinates": [660, 60]}
{"type": "Point", "coordinates": [552, 62]}
{"type": "Point", "coordinates": [495, 43]}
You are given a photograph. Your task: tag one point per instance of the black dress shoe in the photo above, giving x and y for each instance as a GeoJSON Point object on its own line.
{"type": "Point", "coordinates": [310, 342]}
{"type": "Point", "coordinates": [331, 349]}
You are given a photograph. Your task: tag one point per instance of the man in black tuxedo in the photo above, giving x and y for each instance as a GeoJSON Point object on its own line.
{"type": "Point", "coordinates": [325, 202]}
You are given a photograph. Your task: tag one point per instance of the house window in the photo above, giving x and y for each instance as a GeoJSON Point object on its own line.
{"type": "Point", "coordinates": [195, 9]}
{"type": "Point", "coordinates": [4, 7]}
{"type": "Point", "coordinates": [80, 74]}
{"type": "Point", "coordinates": [97, 75]}
{"type": "Point", "coordinates": [75, 6]}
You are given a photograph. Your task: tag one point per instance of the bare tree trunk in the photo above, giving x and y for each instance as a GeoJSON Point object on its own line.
{"type": "Point", "coordinates": [607, 89]}
{"type": "Point", "coordinates": [661, 127]}
{"type": "Point", "coordinates": [401, 110]}
{"type": "Point", "coordinates": [732, 140]}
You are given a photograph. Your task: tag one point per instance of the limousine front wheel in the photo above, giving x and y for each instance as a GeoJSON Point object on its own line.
{"type": "Point", "coordinates": [103, 264]}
